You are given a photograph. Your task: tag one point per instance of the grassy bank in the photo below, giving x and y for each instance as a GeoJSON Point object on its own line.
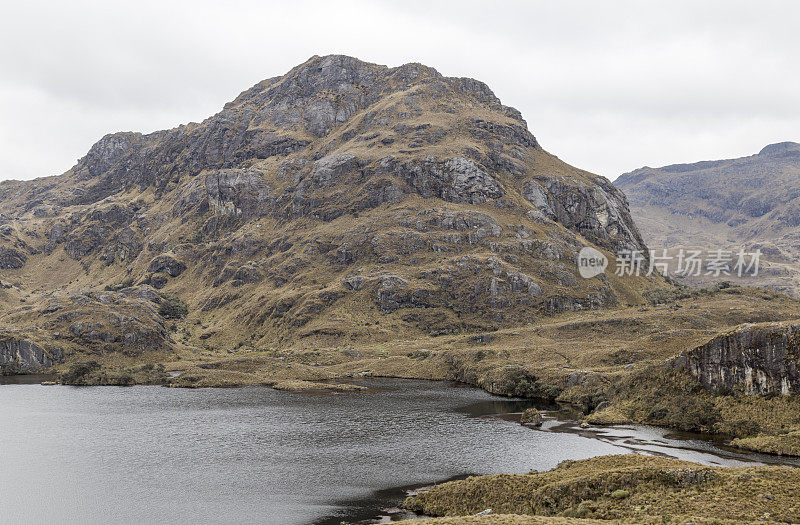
{"type": "Point", "coordinates": [631, 488]}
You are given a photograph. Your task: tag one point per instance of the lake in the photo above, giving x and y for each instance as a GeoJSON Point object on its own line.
{"type": "Point", "coordinates": [256, 455]}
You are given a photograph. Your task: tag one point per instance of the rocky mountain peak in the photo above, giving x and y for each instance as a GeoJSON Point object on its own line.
{"type": "Point", "coordinates": [780, 148]}
{"type": "Point", "coordinates": [325, 92]}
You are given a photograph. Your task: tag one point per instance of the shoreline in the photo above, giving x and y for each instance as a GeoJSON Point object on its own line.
{"type": "Point", "coordinates": [393, 498]}
{"type": "Point", "coordinates": [716, 448]}
{"type": "Point", "coordinates": [350, 384]}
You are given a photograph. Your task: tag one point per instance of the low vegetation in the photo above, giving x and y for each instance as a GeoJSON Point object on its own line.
{"type": "Point", "coordinates": [90, 373]}
{"type": "Point", "coordinates": [172, 307]}
{"type": "Point", "coordinates": [632, 488]}
{"type": "Point", "coordinates": [783, 444]}
{"type": "Point", "coordinates": [119, 286]}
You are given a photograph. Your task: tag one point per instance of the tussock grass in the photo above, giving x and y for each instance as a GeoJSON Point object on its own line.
{"type": "Point", "coordinates": [626, 487]}
{"type": "Point", "coordinates": [782, 444]}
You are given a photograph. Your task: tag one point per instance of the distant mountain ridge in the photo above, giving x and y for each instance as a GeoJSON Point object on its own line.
{"type": "Point", "coordinates": [749, 201]}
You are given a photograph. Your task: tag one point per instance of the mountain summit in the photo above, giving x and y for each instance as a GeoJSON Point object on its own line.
{"type": "Point", "coordinates": [781, 148]}
{"type": "Point", "coordinates": [342, 199]}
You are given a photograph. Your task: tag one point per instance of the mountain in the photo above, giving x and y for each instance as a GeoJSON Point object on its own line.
{"type": "Point", "coordinates": [347, 220]}
{"type": "Point", "coordinates": [750, 202]}
{"type": "Point", "coordinates": [341, 201]}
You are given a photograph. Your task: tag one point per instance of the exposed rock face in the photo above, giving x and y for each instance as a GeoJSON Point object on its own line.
{"type": "Point", "coordinates": [11, 259]}
{"type": "Point", "coordinates": [107, 151]}
{"type": "Point", "coordinates": [454, 180]}
{"type": "Point", "coordinates": [329, 168]}
{"type": "Point", "coordinates": [757, 359]}
{"type": "Point", "coordinates": [600, 212]}
{"type": "Point", "coordinates": [237, 193]}
{"type": "Point", "coordinates": [18, 355]}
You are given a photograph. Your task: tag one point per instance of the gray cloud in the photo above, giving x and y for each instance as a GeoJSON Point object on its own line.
{"type": "Point", "coordinates": [606, 86]}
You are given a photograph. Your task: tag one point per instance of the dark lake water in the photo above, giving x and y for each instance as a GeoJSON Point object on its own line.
{"type": "Point", "coordinates": [142, 455]}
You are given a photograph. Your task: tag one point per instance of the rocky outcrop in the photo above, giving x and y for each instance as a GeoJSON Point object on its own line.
{"type": "Point", "coordinates": [756, 359]}
{"type": "Point", "coordinates": [531, 418]}
{"type": "Point", "coordinates": [599, 213]}
{"type": "Point", "coordinates": [129, 322]}
{"type": "Point", "coordinates": [11, 259]}
{"type": "Point", "coordinates": [238, 193]}
{"type": "Point", "coordinates": [392, 293]}
{"type": "Point", "coordinates": [18, 355]}
{"type": "Point", "coordinates": [166, 263]}
{"type": "Point", "coordinates": [458, 180]}
{"type": "Point", "coordinates": [329, 168]}
{"type": "Point", "coordinates": [107, 151]}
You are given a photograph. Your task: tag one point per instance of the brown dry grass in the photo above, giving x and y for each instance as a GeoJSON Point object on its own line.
{"type": "Point", "coordinates": [629, 487]}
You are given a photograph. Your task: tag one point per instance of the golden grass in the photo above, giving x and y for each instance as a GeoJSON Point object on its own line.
{"type": "Point", "coordinates": [627, 487]}
{"type": "Point", "coordinates": [782, 444]}
{"type": "Point", "coordinates": [299, 385]}
{"type": "Point", "coordinates": [517, 519]}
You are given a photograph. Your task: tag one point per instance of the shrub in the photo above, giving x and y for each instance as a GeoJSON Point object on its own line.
{"type": "Point", "coordinates": [620, 494]}
{"type": "Point", "coordinates": [172, 307]}
{"type": "Point", "coordinates": [77, 372]}
{"type": "Point", "coordinates": [746, 428]}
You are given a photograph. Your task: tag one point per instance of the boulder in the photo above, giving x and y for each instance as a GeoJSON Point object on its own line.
{"type": "Point", "coordinates": [166, 263]}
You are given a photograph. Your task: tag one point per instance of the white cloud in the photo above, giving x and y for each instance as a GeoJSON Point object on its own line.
{"type": "Point", "coordinates": [606, 86]}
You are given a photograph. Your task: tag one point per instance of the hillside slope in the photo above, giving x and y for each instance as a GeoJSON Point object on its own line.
{"type": "Point", "coordinates": [750, 202]}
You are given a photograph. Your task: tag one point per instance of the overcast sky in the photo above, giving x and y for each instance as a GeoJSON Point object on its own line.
{"type": "Point", "coordinates": [606, 86]}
